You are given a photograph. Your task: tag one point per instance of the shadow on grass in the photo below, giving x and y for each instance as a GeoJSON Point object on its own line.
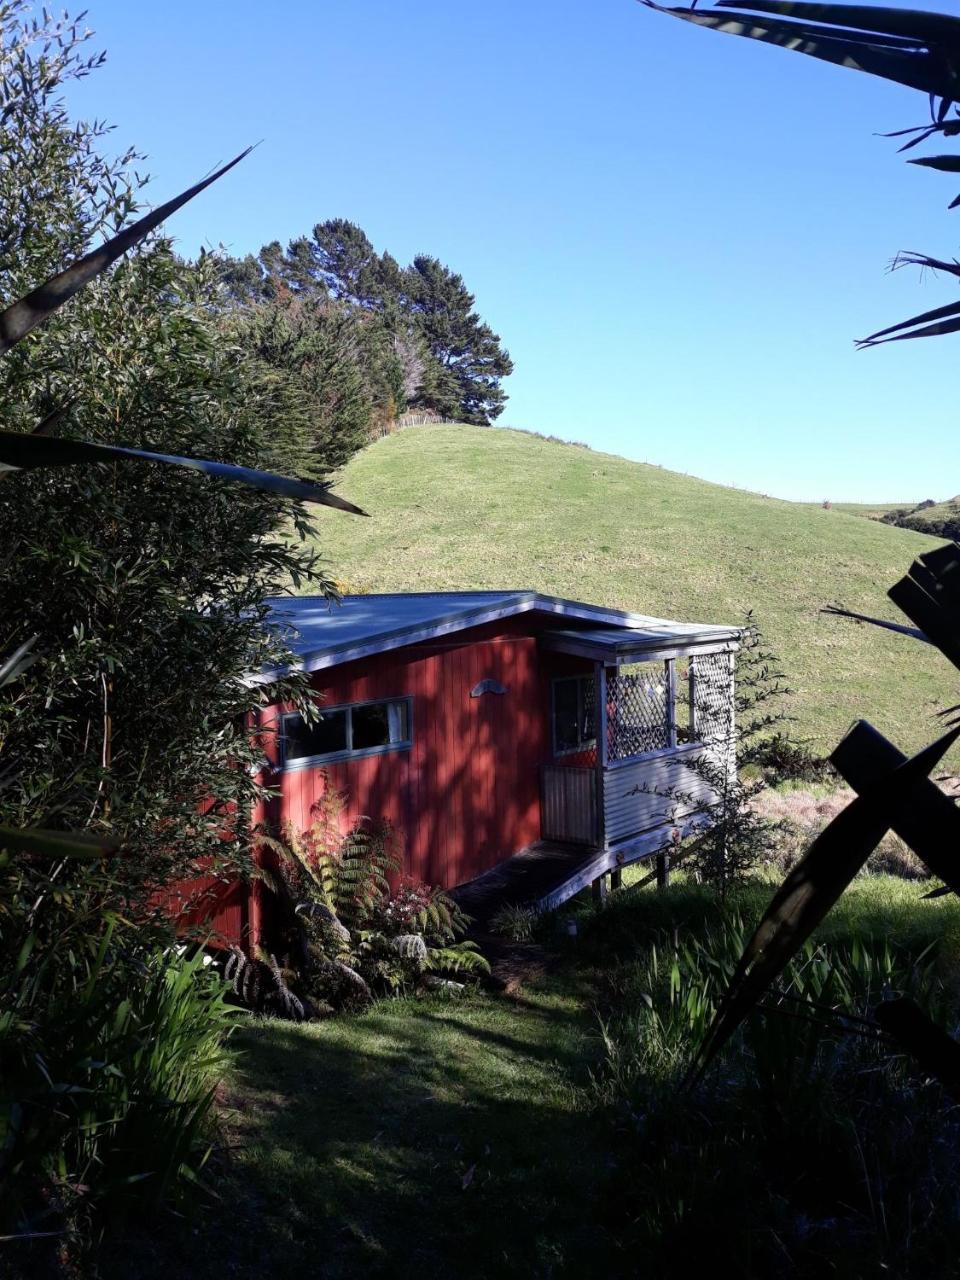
{"type": "Point", "coordinates": [423, 1139]}
{"type": "Point", "coordinates": [879, 908]}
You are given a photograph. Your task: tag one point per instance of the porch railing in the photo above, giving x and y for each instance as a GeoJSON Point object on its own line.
{"type": "Point", "coordinates": [568, 809]}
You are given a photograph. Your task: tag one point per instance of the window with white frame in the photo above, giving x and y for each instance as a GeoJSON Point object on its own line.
{"type": "Point", "coordinates": [340, 733]}
{"type": "Point", "coordinates": [574, 714]}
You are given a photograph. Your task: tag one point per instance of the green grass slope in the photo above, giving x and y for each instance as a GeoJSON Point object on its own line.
{"type": "Point", "coordinates": [468, 508]}
{"type": "Point", "coordinates": [871, 510]}
{"type": "Point", "coordinates": [943, 516]}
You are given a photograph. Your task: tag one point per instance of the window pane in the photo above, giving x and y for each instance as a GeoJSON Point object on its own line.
{"type": "Point", "coordinates": [378, 725]}
{"type": "Point", "coordinates": [566, 714]}
{"type": "Point", "coordinates": [398, 720]}
{"type": "Point", "coordinates": [588, 710]}
{"type": "Point", "coordinates": [326, 735]}
{"type": "Point", "coordinates": [682, 709]}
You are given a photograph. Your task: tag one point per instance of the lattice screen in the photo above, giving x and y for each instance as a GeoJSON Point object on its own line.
{"type": "Point", "coordinates": [637, 710]}
{"type": "Point", "coordinates": [712, 697]}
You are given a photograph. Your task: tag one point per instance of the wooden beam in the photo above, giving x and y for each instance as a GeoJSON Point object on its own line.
{"type": "Point", "coordinates": [671, 702]}
{"type": "Point", "coordinates": [600, 891]}
{"type": "Point", "coordinates": [635, 850]}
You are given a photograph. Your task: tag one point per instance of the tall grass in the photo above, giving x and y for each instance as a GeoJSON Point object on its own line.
{"type": "Point", "coordinates": [106, 1085]}
{"type": "Point", "coordinates": [810, 1148]}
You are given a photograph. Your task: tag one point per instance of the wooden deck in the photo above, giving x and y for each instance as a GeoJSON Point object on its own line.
{"type": "Point", "coordinates": [526, 879]}
{"type": "Point", "coordinates": [546, 874]}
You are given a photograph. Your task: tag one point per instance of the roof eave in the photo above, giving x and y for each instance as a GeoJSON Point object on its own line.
{"type": "Point", "coordinates": [421, 633]}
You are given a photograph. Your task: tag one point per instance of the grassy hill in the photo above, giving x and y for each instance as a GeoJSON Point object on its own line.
{"type": "Point", "coordinates": [871, 510]}
{"type": "Point", "coordinates": [940, 519]}
{"type": "Point", "coordinates": [464, 507]}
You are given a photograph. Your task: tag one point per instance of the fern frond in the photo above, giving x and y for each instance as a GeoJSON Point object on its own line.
{"type": "Point", "coordinates": [459, 957]}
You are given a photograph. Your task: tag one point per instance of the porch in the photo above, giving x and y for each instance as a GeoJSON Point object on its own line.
{"type": "Point", "coordinates": [641, 725]}
{"type": "Point", "coordinates": [642, 738]}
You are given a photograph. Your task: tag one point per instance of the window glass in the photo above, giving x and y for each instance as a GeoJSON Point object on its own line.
{"type": "Point", "coordinates": [398, 720]}
{"type": "Point", "coordinates": [684, 718]}
{"type": "Point", "coordinates": [370, 728]}
{"type": "Point", "coordinates": [566, 724]}
{"type": "Point", "coordinates": [345, 730]}
{"type": "Point", "coordinates": [573, 713]}
{"type": "Point", "coordinates": [322, 737]}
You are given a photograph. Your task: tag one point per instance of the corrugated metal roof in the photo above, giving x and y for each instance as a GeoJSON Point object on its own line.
{"type": "Point", "coordinates": [324, 634]}
{"type": "Point", "coordinates": [655, 633]}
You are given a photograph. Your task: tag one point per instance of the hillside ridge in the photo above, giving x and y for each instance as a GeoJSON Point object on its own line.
{"type": "Point", "coordinates": [473, 509]}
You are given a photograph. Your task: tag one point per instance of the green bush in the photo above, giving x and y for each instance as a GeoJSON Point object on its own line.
{"type": "Point", "coordinates": [808, 1149]}
{"type": "Point", "coordinates": [353, 927]}
{"type": "Point", "coordinates": [110, 1059]}
{"type": "Point", "coordinates": [518, 923]}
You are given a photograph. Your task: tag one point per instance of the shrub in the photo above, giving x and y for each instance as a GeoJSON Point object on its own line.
{"type": "Point", "coordinates": [518, 923]}
{"type": "Point", "coordinates": [347, 935]}
{"type": "Point", "coordinates": [108, 1083]}
{"type": "Point", "coordinates": [808, 1149]}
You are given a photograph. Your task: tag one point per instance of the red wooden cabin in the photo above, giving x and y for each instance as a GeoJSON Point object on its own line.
{"type": "Point", "coordinates": [483, 724]}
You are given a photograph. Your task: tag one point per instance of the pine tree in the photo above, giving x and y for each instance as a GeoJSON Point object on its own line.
{"type": "Point", "coordinates": [424, 342]}
{"type": "Point", "coordinates": [468, 358]}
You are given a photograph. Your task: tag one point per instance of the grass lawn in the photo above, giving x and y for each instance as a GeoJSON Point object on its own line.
{"type": "Point", "coordinates": [427, 1138]}
{"type": "Point", "coordinates": [466, 507]}
{"type": "Point", "coordinates": [459, 1137]}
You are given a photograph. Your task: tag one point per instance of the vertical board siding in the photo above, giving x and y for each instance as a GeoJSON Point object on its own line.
{"type": "Point", "coordinates": [466, 793]}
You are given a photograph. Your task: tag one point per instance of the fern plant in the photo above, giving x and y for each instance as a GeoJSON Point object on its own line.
{"type": "Point", "coordinates": [354, 927]}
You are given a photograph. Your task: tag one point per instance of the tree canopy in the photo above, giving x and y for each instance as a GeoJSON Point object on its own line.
{"type": "Point", "coordinates": [417, 339]}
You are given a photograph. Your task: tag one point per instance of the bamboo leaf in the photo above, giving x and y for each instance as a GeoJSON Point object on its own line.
{"type": "Point", "coordinates": [917, 25]}
{"type": "Point", "coordinates": [17, 663]}
{"type": "Point", "coordinates": [930, 824]}
{"type": "Point", "coordinates": [811, 889]}
{"type": "Point", "coordinates": [903, 61]}
{"type": "Point", "coordinates": [20, 451]}
{"type": "Point", "coordinates": [57, 844]}
{"type": "Point", "coordinates": [930, 596]}
{"type": "Point", "coordinates": [20, 317]}
{"type": "Point", "coordinates": [912, 632]}
{"type": "Point", "coordinates": [941, 892]}
{"type": "Point", "coordinates": [910, 259]}
{"type": "Point", "coordinates": [937, 1052]}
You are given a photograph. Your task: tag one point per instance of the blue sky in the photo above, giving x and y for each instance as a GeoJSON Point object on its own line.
{"type": "Point", "coordinates": [677, 234]}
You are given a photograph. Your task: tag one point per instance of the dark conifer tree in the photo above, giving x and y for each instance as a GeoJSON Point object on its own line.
{"type": "Point", "coordinates": [468, 356]}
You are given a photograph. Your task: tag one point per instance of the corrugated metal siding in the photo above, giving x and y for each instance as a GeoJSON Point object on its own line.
{"type": "Point", "coordinates": [569, 804]}
{"type": "Point", "coordinates": [628, 811]}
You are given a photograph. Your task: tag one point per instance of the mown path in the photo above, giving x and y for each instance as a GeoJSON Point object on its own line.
{"type": "Point", "coordinates": [433, 1138]}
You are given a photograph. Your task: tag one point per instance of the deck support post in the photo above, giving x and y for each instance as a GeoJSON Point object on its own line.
{"type": "Point", "coordinates": [663, 868]}
{"type": "Point", "coordinates": [616, 879]}
{"type": "Point", "coordinates": [599, 887]}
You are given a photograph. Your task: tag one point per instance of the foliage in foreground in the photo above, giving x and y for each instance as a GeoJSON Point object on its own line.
{"type": "Point", "coordinates": [808, 1148]}
{"type": "Point", "coordinates": [908, 46]}
{"type": "Point", "coordinates": [111, 1112]}
{"type": "Point", "coordinates": [352, 927]}
{"type": "Point", "coordinates": [138, 610]}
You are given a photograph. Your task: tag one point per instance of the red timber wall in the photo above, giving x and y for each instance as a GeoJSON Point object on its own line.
{"type": "Point", "coordinates": [462, 797]}
{"type": "Point", "coordinates": [466, 794]}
